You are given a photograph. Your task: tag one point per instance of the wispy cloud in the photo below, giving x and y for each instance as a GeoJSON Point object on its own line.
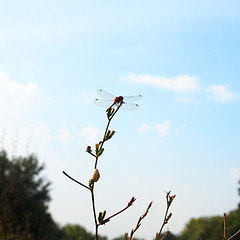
{"type": "Point", "coordinates": [220, 93]}
{"type": "Point", "coordinates": [64, 136]}
{"type": "Point", "coordinates": [34, 137]}
{"type": "Point", "coordinates": [90, 133]}
{"type": "Point", "coordinates": [11, 87]}
{"type": "Point", "coordinates": [186, 187]}
{"type": "Point", "coordinates": [19, 100]}
{"type": "Point", "coordinates": [163, 129]}
{"type": "Point", "coordinates": [234, 175]}
{"type": "Point", "coordinates": [187, 100]}
{"type": "Point", "coordinates": [144, 128]}
{"type": "Point", "coordinates": [183, 83]}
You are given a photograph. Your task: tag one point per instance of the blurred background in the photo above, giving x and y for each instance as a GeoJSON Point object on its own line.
{"type": "Point", "coordinates": [182, 56]}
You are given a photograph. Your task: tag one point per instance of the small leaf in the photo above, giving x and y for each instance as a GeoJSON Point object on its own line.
{"type": "Point", "coordinates": [89, 149]}
{"type": "Point", "coordinates": [99, 153]}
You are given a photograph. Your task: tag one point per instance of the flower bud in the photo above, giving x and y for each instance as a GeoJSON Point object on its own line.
{"type": "Point", "coordinates": [96, 175]}
{"type": "Point", "coordinates": [89, 149]}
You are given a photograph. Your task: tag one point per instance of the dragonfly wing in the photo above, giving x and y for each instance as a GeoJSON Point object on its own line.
{"type": "Point", "coordinates": [132, 98]}
{"type": "Point", "coordinates": [103, 102]}
{"type": "Point", "coordinates": [106, 103]}
{"type": "Point", "coordinates": [129, 106]}
{"type": "Point", "coordinates": [104, 94]}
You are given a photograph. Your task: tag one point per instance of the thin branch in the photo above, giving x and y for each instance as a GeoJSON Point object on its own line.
{"type": "Point", "coordinates": [139, 221]}
{"type": "Point", "coordinates": [224, 226]}
{"type": "Point", "coordinates": [75, 180]}
{"type": "Point", "coordinates": [165, 216]}
{"type": "Point", "coordinates": [234, 235]}
{"type": "Point", "coordinates": [168, 232]}
{"type": "Point", "coordinates": [94, 212]}
{"type": "Point", "coordinates": [129, 205]}
{"type": "Point", "coordinates": [103, 140]}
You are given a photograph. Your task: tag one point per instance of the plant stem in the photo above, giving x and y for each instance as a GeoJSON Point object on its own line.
{"type": "Point", "coordinates": [94, 212]}
{"type": "Point", "coordinates": [164, 221]}
{"type": "Point", "coordinates": [103, 140]}
{"type": "Point", "coordinates": [165, 217]}
{"type": "Point", "coordinates": [224, 226]}
{"type": "Point", "coordinates": [76, 180]}
{"type": "Point", "coordinates": [95, 166]}
{"type": "Point", "coordinates": [234, 234]}
{"type": "Point", "coordinates": [129, 205]}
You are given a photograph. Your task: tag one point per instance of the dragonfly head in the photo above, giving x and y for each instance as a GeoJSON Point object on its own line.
{"type": "Point", "coordinates": [119, 99]}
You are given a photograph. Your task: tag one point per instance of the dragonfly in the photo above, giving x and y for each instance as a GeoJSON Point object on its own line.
{"type": "Point", "coordinates": [109, 101]}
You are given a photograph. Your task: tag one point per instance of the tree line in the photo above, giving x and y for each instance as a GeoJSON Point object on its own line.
{"type": "Point", "coordinates": [24, 215]}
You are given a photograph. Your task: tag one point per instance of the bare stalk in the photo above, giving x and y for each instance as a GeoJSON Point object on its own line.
{"type": "Point", "coordinates": [224, 226]}
{"type": "Point", "coordinates": [94, 212]}
{"type": "Point", "coordinates": [76, 181]}
{"type": "Point", "coordinates": [129, 205]}
{"type": "Point", "coordinates": [139, 221]}
{"type": "Point", "coordinates": [234, 235]}
{"type": "Point", "coordinates": [224, 231]}
{"type": "Point", "coordinates": [110, 117]}
{"type": "Point", "coordinates": [166, 216]}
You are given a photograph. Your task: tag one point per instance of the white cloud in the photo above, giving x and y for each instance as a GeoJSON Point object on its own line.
{"type": "Point", "coordinates": [18, 100]}
{"type": "Point", "coordinates": [144, 128]}
{"type": "Point", "coordinates": [187, 100]}
{"type": "Point", "coordinates": [235, 175]}
{"type": "Point", "coordinates": [90, 133]}
{"type": "Point", "coordinates": [186, 187]}
{"type": "Point", "coordinates": [6, 85]}
{"type": "Point", "coordinates": [220, 93]}
{"type": "Point", "coordinates": [180, 128]}
{"type": "Point", "coordinates": [33, 138]}
{"type": "Point", "coordinates": [85, 96]}
{"type": "Point", "coordinates": [64, 136]}
{"type": "Point", "coordinates": [163, 129]}
{"type": "Point", "coordinates": [181, 83]}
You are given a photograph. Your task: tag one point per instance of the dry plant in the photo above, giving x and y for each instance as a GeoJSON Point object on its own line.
{"type": "Point", "coordinates": [100, 218]}
{"type": "Point", "coordinates": [224, 229]}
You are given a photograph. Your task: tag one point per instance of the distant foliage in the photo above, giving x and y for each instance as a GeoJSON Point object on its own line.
{"type": "Point", "coordinates": [76, 232]}
{"type": "Point", "coordinates": [203, 228]}
{"type": "Point", "coordinates": [211, 228]}
{"type": "Point", "coordinates": [23, 200]}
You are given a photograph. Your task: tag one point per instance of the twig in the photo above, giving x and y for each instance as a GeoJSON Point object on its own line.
{"type": "Point", "coordinates": [75, 180]}
{"type": "Point", "coordinates": [94, 212]}
{"type": "Point", "coordinates": [224, 226]}
{"type": "Point", "coordinates": [166, 216]}
{"type": "Point", "coordinates": [110, 117]}
{"type": "Point", "coordinates": [234, 235]}
{"type": "Point", "coordinates": [129, 205]}
{"type": "Point", "coordinates": [139, 221]}
{"type": "Point", "coordinates": [167, 232]}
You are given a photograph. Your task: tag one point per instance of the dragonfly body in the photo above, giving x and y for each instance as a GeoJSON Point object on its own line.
{"type": "Point", "coordinates": [110, 101]}
{"type": "Point", "coordinates": [117, 101]}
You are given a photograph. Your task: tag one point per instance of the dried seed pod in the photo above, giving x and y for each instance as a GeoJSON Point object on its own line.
{"type": "Point", "coordinates": [96, 175]}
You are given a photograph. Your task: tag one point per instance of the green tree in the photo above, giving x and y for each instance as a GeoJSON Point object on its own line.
{"type": "Point", "coordinates": [24, 197]}
{"type": "Point", "coordinates": [123, 237]}
{"type": "Point", "coordinates": [233, 223]}
{"type": "Point", "coordinates": [170, 236]}
{"type": "Point", "coordinates": [76, 232]}
{"type": "Point", "coordinates": [205, 228]}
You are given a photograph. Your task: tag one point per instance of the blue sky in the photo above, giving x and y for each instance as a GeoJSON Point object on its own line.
{"type": "Point", "coordinates": [182, 56]}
